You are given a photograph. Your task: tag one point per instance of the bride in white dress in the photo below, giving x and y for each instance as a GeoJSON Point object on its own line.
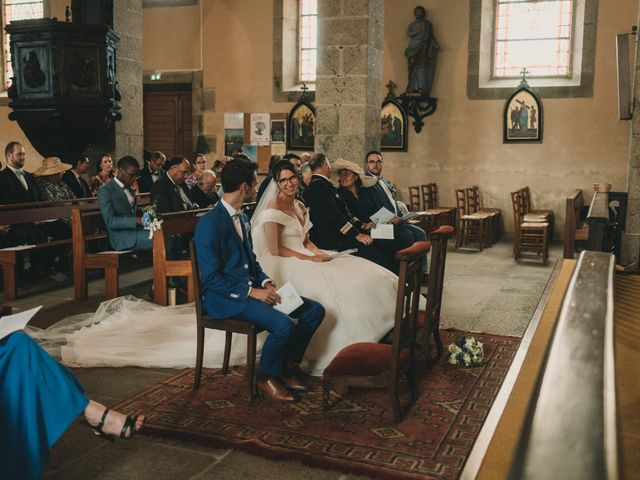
{"type": "Point", "coordinates": [358, 295]}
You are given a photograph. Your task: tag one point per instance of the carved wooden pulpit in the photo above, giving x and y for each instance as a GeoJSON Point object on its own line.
{"type": "Point", "coordinates": [64, 94]}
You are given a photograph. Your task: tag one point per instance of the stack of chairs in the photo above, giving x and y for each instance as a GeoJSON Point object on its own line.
{"type": "Point", "coordinates": [424, 200]}
{"type": "Point", "coordinates": [531, 231]}
{"type": "Point", "coordinates": [476, 224]}
{"type": "Point", "coordinates": [531, 215]}
{"type": "Point", "coordinates": [430, 203]}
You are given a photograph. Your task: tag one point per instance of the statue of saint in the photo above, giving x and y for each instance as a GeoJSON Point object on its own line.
{"type": "Point", "coordinates": [421, 54]}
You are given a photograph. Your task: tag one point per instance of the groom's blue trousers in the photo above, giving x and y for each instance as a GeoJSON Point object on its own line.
{"type": "Point", "coordinates": [287, 341]}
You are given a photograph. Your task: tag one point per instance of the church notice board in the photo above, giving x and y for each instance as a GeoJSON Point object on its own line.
{"type": "Point", "coordinates": [263, 151]}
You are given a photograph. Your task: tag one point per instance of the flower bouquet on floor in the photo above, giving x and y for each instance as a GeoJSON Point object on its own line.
{"type": "Point", "coordinates": [466, 352]}
{"type": "Point", "coordinates": [151, 219]}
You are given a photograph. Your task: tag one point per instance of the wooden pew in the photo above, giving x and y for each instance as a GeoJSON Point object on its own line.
{"type": "Point", "coordinates": [87, 229]}
{"type": "Point", "coordinates": [30, 213]}
{"type": "Point", "coordinates": [574, 229]}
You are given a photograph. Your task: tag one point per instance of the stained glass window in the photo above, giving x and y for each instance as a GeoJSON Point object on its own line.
{"type": "Point", "coordinates": [16, 10]}
{"type": "Point", "coordinates": [308, 46]}
{"type": "Point", "coordinates": [533, 34]}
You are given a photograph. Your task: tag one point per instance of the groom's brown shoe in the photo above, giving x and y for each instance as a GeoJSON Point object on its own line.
{"type": "Point", "coordinates": [273, 389]}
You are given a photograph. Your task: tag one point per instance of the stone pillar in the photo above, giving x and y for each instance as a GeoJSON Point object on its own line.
{"type": "Point", "coordinates": [129, 130]}
{"type": "Point", "coordinates": [349, 78]}
{"type": "Point", "coordinates": [631, 239]}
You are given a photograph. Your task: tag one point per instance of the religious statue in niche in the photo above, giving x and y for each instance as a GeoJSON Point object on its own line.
{"type": "Point", "coordinates": [522, 116]}
{"type": "Point", "coordinates": [421, 54]}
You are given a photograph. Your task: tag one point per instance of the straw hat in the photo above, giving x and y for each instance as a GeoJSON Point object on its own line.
{"type": "Point", "coordinates": [342, 164]}
{"type": "Point", "coordinates": [51, 166]}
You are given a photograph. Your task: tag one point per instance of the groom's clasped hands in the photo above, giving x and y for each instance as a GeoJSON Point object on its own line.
{"type": "Point", "coordinates": [268, 294]}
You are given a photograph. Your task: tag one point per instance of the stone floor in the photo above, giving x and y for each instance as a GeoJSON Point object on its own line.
{"type": "Point", "coordinates": [484, 292]}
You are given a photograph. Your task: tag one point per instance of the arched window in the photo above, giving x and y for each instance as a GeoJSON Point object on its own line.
{"type": "Point", "coordinates": [16, 10]}
{"type": "Point", "coordinates": [554, 40]}
{"type": "Point", "coordinates": [308, 41]}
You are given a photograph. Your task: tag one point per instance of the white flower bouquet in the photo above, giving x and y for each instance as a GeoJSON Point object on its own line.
{"type": "Point", "coordinates": [466, 352]}
{"type": "Point", "coordinates": [151, 220]}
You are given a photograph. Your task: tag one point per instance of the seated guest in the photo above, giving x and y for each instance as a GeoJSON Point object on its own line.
{"type": "Point", "coordinates": [39, 400]}
{"type": "Point", "coordinates": [198, 165]}
{"type": "Point", "coordinates": [204, 193]}
{"type": "Point", "coordinates": [234, 285]}
{"type": "Point", "coordinates": [152, 172]}
{"type": "Point", "coordinates": [384, 195]}
{"type": "Point", "coordinates": [51, 187]}
{"type": "Point", "coordinates": [73, 178]}
{"type": "Point", "coordinates": [170, 194]}
{"type": "Point", "coordinates": [334, 226]}
{"type": "Point", "coordinates": [118, 206]}
{"type": "Point", "coordinates": [354, 189]}
{"type": "Point", "coordinates": [265, 183]}
{"type": "Point", "coordinates": [19, 186]}
{"type": "Point", "coordinates": [104, 174]}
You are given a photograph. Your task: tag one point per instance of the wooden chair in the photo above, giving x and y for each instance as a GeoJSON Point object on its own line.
{"type": "Point", "coordinates": [229, 326]}
{"type": "Point", "coordinates": [470, 226]}
{"type": "Point", "coordinates": [574, 229]}
{"type": "Point", "coordinates": [377, 365]}
{"type": "Point", "coordinates": [448, 214]}
{"type": "Point", "coordinates": [494, 214]}
{"type": "Point", "coordinates": [533, 215]}
{"type": "Point", "coordinates": [429, 322]}
{"type": "Point", "coordinates": [533, 236]}
{"type": "Point", "coordinates": [414, 199]}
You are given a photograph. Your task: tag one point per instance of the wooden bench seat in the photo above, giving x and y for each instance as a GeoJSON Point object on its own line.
{"type": "Point", "coordinates": [574, 228]}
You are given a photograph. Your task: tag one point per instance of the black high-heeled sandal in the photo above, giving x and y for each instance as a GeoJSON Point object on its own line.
{"type": "Point", "coordinates": [98, 428]}
{"type": "Point", "coordinates": [130, 424]}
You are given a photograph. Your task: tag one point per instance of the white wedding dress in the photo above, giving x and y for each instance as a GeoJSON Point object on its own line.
{"type": "Point", "coordinates": [359, 298]}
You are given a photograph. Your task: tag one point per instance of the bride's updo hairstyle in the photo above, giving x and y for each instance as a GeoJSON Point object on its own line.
{"type": "Point", "coordinates": [236, 172]}
{"type": "Point", "coordinates": [282, 165]}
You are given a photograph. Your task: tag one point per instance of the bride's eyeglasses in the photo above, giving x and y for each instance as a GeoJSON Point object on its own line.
{"type": "Point", "coordinates": [291, 181]}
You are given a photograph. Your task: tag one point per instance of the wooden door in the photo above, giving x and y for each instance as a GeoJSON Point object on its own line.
{"type": "Point", "coordinates": [168, 123]}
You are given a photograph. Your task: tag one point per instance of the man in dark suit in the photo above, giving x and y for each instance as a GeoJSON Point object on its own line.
{"type": "Point", "coordinates": [19, 186]}
{"type": "Point", "coordinates": [234, 285]}
{"type": "Point", "coordinates": [73, 179]}
{"type": "Point", "coordinates": [384, 195]}
{"type": "Point", "coordinates": [204, 192]}
{"type": "Point", "coordinates": [152, 172]}
{"type": "Point", "coordinates": [334, 227]}
{"type": "Point", "coordinates": [170, 194]}
{"type": "Point", "coordinates": [118, 206]}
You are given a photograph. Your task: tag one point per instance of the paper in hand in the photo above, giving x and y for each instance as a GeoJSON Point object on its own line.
{"type": "Point", "coordinates": [382, 216]}
{"type": "Point", "coordinates": [343, 253]}
{"type": "Point", "coordinates": [15, 322]}
{"type": "Point", "coordinates": [290, 299]}
{"type": "Point", "coordinates": [382, 232]}
{"type": "Point", "coordinates": [409, 216]}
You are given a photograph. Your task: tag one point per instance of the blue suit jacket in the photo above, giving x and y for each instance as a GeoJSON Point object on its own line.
{"type": "Point", "coordinates": [380, 197]}
{"type": "Point", "coordinates": [225, 263]}
{"type": "Point", "coordinates": [118, 215]}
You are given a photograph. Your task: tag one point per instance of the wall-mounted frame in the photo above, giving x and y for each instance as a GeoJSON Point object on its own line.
{"type": "Point", "coordinates": [523, 116]}
{"type": "Point", "coordinates": [301, 133]}
{"type": "Point", "coordinates": [393, 126]}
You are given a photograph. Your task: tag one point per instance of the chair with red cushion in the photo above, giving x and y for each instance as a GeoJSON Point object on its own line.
{"type": "Point", "coordinates": [429, 321]}
{"type": "Point", "coordinates": [377, 365]}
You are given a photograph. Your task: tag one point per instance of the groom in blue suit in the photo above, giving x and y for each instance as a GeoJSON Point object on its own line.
{"type": "Point", "coordinates": [234, 285]}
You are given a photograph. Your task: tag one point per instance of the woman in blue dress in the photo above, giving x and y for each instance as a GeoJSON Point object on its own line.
{"type": "Point", "coordinates": [39, 398]}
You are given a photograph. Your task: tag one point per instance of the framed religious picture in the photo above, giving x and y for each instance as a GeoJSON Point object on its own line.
{"type": "Point", "coordinates": [393, 126]}
{"type": "Point", "coordinates": [301, 133]}
{"type": "Point", "coordinates": [522, 116]}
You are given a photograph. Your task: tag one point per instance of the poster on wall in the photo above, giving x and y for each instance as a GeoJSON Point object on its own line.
{"type": "Point", "coordinates": [522, 116]}
{"type": "Point", "coordinates": [259, 125]}
{"type": "Point", "coordinates": [233, 120]}
{"type": "Point", "coordinates": [250, 151]}
{"type": "Point", "coordinates": [278, 129]}
{"type": "Point", "coordinates": [233, 140]}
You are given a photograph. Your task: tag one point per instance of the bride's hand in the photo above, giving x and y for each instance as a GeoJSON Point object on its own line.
{"type": "Point", "coordinates": [320, 258]}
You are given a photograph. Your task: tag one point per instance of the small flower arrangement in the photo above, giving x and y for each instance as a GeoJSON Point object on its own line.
{"type": "Point", "coordinates": [151, 219]}
{"type": "Point", "coordinates": [466, 352]}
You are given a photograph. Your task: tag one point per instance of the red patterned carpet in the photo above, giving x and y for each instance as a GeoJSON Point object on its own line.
{"type": "Point", "coordinates": [357, 435]}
